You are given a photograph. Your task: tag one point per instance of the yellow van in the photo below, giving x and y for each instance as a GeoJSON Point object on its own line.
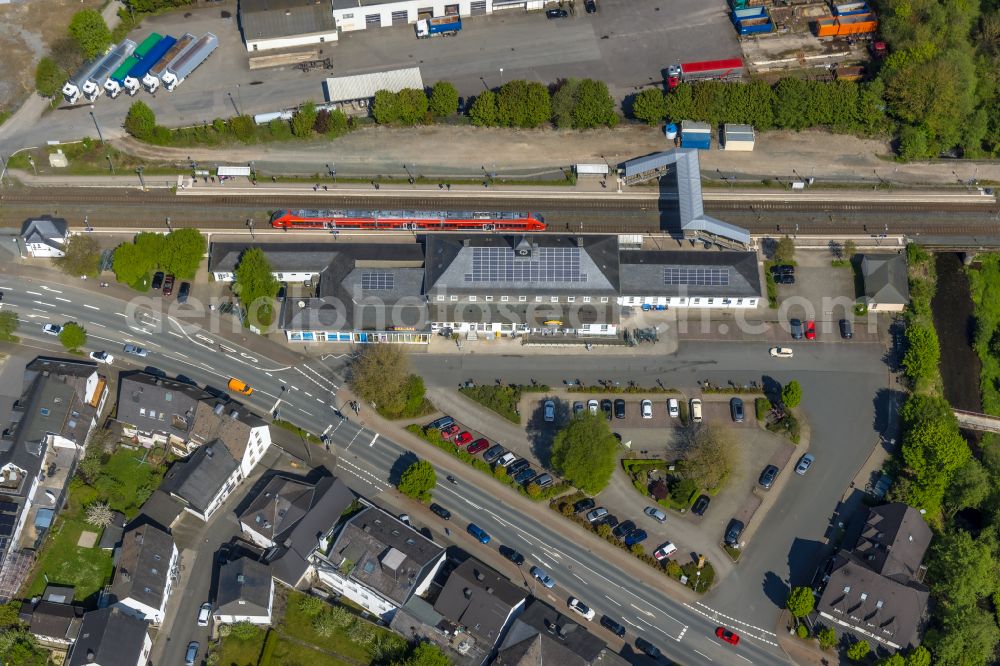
{"type": "Point", "coordinates": [239, 386]}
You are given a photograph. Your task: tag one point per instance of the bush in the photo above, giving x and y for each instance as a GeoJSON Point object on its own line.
{"type": "Point", "coordinates": [802, 631]}
{"type": "Point", "coordinates": [140, 121]}
{"type": "Point", "coordinates": [244, 631]}
{"type": "Point", "coordinates": [311, 606]}
{"type": "Point", "coordinates": [90, 32]}
{"type": "Point", "coordinates": [49, 77]}
{"type": "Point", "coordinates": [650, 106]}
{"type": "Point", "coordinates": [501, 399]}
{"type": "Point", "coordinates": [417, 481]}
{"type": "Point", "coordinates": [791, 394]}
{"type": "Point", "coordinates": [827, 638]}
{"type": "Point", "coordinates": [858, 651]}
{"type": "Point", "coordinates": [444, 99]}
{"type": "Point", "coordinates": [762, 407]}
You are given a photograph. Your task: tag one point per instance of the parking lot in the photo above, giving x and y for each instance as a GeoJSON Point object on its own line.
{"type": "Point", "coordinates": [820, 292]}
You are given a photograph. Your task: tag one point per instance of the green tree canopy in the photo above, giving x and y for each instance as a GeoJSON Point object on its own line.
{"type": "Point", "coordinates": [130, 264]}
{"type": "Point", "coordinates": [83, 256]}
{"type": "Point", "coordinates": [563, 102]}
{"type": "Point", "coordinates": [412, 105]}
{"type": "Point", "coordinates": [380, 374]}
{"type": "Point", "coordinates": [594, 106]}
{"type": "Point", "coordinates": [894, 659]}
{"type": "Point", "coordinates": [73, 336]}
{"type": "Point", "coordinates": [256, 286]}
{"type": "Point", "coordinates": [858, 651]}
{"type": "Point", "coordinates": [920, 656]}
{"type": "Point", "coordinates": [428, 654]}
{"type": "Point", "coordinates": [444, 99]}
{"type": "Point", "coordinates": [784, 251]}
{"type": "Point", "coordinates": [183, 250]}
{"type": "Point", "coordinates": [791, 394]}
{"type": "Point", "coordinates": [418, 480]}
{"type": "Point", "coordinates": [800, 602]}
{"type": "Point", "coordinates": [385, 108]}
{"type": "Point", "coordinates": [49, 77]}
{"type": "Point", "coordinates": [584, 453]}
{"type": "Point", "coordinates": [140, 121]}
{"type": "Point", "coordinates": [483, 112]}
{"type": "Point", "coordinates": [827, 638]}
{"type": "Point", "coordinates": [968, 637]}
{"type": "Point", "coordinates": [90, 32]}
{"type": "Point", "coordinates": [923, 352]}
{"type": "Point", "coordinates": [960, 564]}
{"type": "Point", "coordinates": [710, 456]}
{"type": "Point", "coordinates": [523, 104]}
{"type": "Point", "coordinates": [650, 106]}
{"type": "Point", "coordinates": [970, 486]}
{"type": "Point", "coordinates": [304, 119]}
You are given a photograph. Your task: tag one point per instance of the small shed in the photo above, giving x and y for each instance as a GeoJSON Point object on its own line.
{"type": "Point", "coordinates": [696, 135]}
{"type": "Point", "coordinates": [738, 137]}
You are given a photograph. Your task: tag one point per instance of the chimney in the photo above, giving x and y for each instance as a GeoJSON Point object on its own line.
{"type": "Point", "coordinates": [218, 409]}
{"type": "Point", "coordinates": [467, 593]}
{"type": "Point", "coordinates": [479, 576]}
{"type": "Point", "coordinates": [579, 241]}
{"type": "Point", "coordinates": [489, 590]}
{"type": "Point", "coordinates": [209, 452]}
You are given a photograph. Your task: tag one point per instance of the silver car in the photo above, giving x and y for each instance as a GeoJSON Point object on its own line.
{"type": "Point", "coordinates": [805, 462]}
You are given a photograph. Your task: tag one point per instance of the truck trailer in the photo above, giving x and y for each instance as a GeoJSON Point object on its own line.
{"type": "Point", "coordinates": [92, 88]}
{"type": "Point", "coordinates": [731, 68]}
{"type": "Point", "coordinates": [134, 79]}
{"type": "Point", "coordinates": [442, 25]}
{"type": "Point", "coordinates": [752, 21]}
{"type": "Point", "coordinates": [152, 79]}
{"type": "Point", "coordinates": [189, 61]}
{"type": "Point", "coordinates": [72, 90]}
{"type": "Point", "coordinates": [116, 82]}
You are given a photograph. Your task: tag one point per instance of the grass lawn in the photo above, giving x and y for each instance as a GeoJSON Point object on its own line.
{"type": "Point", "coordinates": [127, 483]}
{"type": "Point", "coordinates": [87, 569]}
{"type": "Point", "coordinates": [234, 652]}
{"type": "Point", "coordinates": [289, 653]}
{"type": "Point", "coordinates": [297, 625]}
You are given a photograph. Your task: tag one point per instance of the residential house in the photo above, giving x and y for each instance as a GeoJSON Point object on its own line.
{"type": "Point", "coordinates": [203, 480]}
{"type": "Point", "coordinates": [145, 572]}
{"type": "Point", "coordinates": [45, 237]}
{"type": "Point", "coordinates": [111, 637]}
{"type": "Point", "coordinates": [544, 635]}
{"type": "Point", "coordinates": [48, 408]}
{"type": "Point", "coordinates": [245, 592]}
{"type": "Point", "coordinates": [377, 561]}
{"type": "Point", "coordinates": [53, 619]}
{"type": "Point", "coordinates": [887, 287]}
{"type": "Point", "coordinates": [876, 590]}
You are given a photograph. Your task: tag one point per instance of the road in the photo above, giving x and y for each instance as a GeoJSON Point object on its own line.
{"type": "Point", "coordinates": [839, 380]}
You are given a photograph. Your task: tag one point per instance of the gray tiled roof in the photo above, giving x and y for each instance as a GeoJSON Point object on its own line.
{"type": "Point", "coordinates": [55, 620]}
{"type": "Point", "coordinates": [479, 599]}
{"type": "Point", "coordinates": [198, 478]}
{"type": "Point", "coordinates": [44, 231]}
{"type": "Point", "coordinates": [642, 272]}
{"type": "Point", "coordinates": [541, 634]}
{"type": "Point", "coordinates": [264, 19]}
{"type": "Point", "coordinates": [894, 540]}
{"type": "Point", "coordinates": [885, 277]}
{"type": "Point", "coordinates": [289, 257]}
{"type": "Point", "coordinates": [109, 637]}
{"type": "Point", "coordinates": [243, 580]}
{"type": "Point", "coordinates": [141, 394]}
{"type": "Point", "coordinates": [143, 566]}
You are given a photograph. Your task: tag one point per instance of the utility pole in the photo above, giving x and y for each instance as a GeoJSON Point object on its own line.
{"type": "Point", "coordinates": [94, 118]}
{"type": "Point", "coordinates": [31, 161]}
{"type": "Point", "coordinates": [139, 170]}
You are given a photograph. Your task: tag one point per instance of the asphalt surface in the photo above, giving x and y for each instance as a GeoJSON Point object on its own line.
{"type": "Point", "coordinates": [305, 393]}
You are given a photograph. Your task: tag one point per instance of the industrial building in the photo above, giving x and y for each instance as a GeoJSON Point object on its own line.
{"type": "Point", "coordinates": [282, 24]}
{"type": "Point", "coordinates": [353, 15]}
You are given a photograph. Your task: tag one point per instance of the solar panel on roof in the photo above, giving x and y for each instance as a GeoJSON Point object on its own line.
{"type": "Point", "coordinates": [8, 507]}
{"type": "Point", "coordinates": [378, 281]}
{"type": "Point", "coordinates": [6, 530]}
{"type": "Point", "coordinates": [546, 264]}
{"type": "Point", "coordinates": [7, 520]}
{"type": "Point", "coordinates": [708, 277]}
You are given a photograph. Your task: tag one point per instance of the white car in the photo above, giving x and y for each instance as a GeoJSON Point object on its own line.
{"type": "Point", "coordinates": [581, 608]}
{"type": "Point", "coordinates": [674, 408]}
{"type": "Point", "coordinates": [102, 357]}
{"type": "Point", "coordinates": [203, 614]}
{"type": "Point", "coordinates": [593, 406]}
{"type": "Point", "coordinates": [781, 352]}
{"type": "Point", "coordinates": [665, 551]}
{"type": "Point", "coordinates": [647, 409]}
{"type": "Point", "coordinates": [52, 329]}
{"type": "Point", "coordinates": [550, 411]}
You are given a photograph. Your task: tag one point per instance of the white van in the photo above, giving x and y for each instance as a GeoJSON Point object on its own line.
{"type": "Point", "coordinates": [696, 410]}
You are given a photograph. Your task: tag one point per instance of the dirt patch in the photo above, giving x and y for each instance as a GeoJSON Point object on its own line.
{"type": "Point", "coordinates": [87, 539]}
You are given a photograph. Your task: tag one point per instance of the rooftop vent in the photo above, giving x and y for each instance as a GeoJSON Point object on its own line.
{"type": "Point", "coordinates": [467, 593]}
{"type": "Point", "coordinates": [218, 409]}
{"type": "Point", "coordinates": [489, 590]}
{"type": "Point", "coordinates": [235, 414]}
{"type": "Point", "coordinates": [240, 578]}
{"type": "Point", "coordinates": [479, 576]}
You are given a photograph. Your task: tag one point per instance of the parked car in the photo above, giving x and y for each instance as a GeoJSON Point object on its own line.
{"type": "Point", "coordinates": [506, 460]}
{"type": "Point", "coordinates": [52, 329]}
{"type": "Point", "coordinates": [733, 532]}
{"type": "Point", "coordinates": [727, 636]}
{"type": "Point", "coordinates": [647, 648]}
{"type": "Point", "coordinates": [157, 280]}
{"type": "Point", "coordinates": [518, 466]}
{"type": "Point", "coordinates": [543, 480]}
{"type": "Point", "coordinates": [795, 327]}
{"type": "Point", "coordinates": [593, 406]}
{"type": "Point", "coordinates": [606, 407]}
{"type": "Point", "coordinates": [582, 609]}
{"type": "Point", "coordinates": [624, 529]}
{"type": "Point", "coordinates": [701, 505]}
{"type": "Point", "coordinates": [611, 521]}
{"type": "Point", "coordinates": [619, 408]}
{"type": "Point", "coordinates": [463, 438]}
{"type": "Point", "coordinates": [493, 453]}
{"type": "Point", "coordinates": [191, 656]}
{"type": "Point", "coordinates": [612, 625]}
{"type": "Point", "coordinates": [478, 532]}
{"type": "Point", "coordinates": [590, 6]}
{"type": "Point", "coordinates": [805, 462]}
{"type": "Point", "coordinates": [550, 411]}
{"type": "Point", "coordinates": [846, 329]}
{"type": "Point", "coordinates": [542, 577]}
{"type": "Point", "coordinates": [441, 423]}
{"type": "Point", "coordinates": [204, 613]}
{"type": "Point", "coordinates": [736, 409]}
{"type": "Point", "coordinates": [184, 292]}
{"type": "Point", "coordinates": [783, 269]}
{"type": "Point", "coordinates": [102, 357]}
{"type": "Point", "coordinates": [512, 555]}
{"type": "Point", "coordinates": [782, 352]}
{"type": "Point", "coordinates": [810, 330]}
{"type": "Point", "coordinates": [450, 431]}
{"type": "Point", "coordinates": [673, 408]}
{"type": "Point", "coordinates": [695, 410]}
{"type": "Point", "coordinates": [440, 511]}
{"type": "Point", "coordinates": [785, 278]}
{"type": "Point", "coordinates": [655, 514]}
{"type": "Point", "coordinates": [525, 476]}
{"type": "Point", "coordinates": [768, 476]}
{"type": "Point", "coordinates": [168, 285]}
{"type": "Point", "coordinates": [478, 446]}
{"type": "Point", "coordinates": [586, 504]}
{"type": "Point", "coordinates": [556, 14]}
{"type": "Point", "coordinates": [135, 350]}
{"type": "Point", "coordinates": [597, 514]}
{"type": "Point", "coordinates": [665, 551]}
{"type": "Point", "coordinates": [578, 408]}
{"type": "Point", "coordinates": [637, 536]}
{"type": "Point", "coordinates": [647, 409]}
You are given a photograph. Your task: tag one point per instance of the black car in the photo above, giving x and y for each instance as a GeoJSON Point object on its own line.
{"type": "Point", "coordinates": [440, 511]}
{"type": "Point", "coordinates": [785, 278]}
{"type": "Point", "coordinates": [493, 453]}
{"type": "Point", "coordinates": [647, 647]}
{"type": "Point", "coordinates": [525, 476]}
{"type": "Point", "coordinates": [700, 505]}
{"type": "Point", "coordinates": [512, 555]}
{"type": "Point", "coordinates": [782, 269]}
{"type": "Point", "coordinates": [796, 328]}
{"type": "Point", "coordinates": [613, 626]}
{"type": "Point", "coordinates": [586, 504]}
{"type": "Point", "coordinates": [624, 529]}
{"type": "Point", "coordinates": [846, 329]}
{"type": "Point", "coordinates": [517, 467]}
{"type": "Point", "coordinates": [619, 408]}
{"type": "Point", "coordinates": [157, 280]}
{"type": "Point", "coordinates": [441, 423]}
{"type": "Point", "coordinates": [611, 521]}
{"type": "Point", "coordinates": [736, 408]}
{"type": "Point", "coordinates": [556, 13]}
{"type": "Point", "coordinates": [606, 408]}
{"type": "Point", "coordinates": [768, 476]}
{"type": "Point", "coordinates": [733, 532]}
{"type": "Point", "coordinates": [590, 6]}
{"type": "Point", "coordinates": [183, 292]}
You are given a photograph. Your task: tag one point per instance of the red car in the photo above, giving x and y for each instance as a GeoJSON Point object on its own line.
{"type": "Point", "coordinates": [810, 330]}
{"type": "Point", "coordinates": [463, 439]}
{"type": "Point", "coordinates": [450, 431]}
{"type": "Point", "coordinates": [480, 444]}
{"type": "Point", "coordinates": [727, 636]}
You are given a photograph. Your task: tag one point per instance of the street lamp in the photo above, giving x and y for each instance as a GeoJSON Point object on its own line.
{"type": "Point", "coordinates": [233, 102]}
{"type": "Point", "coordinates": [111, 164]}
{"type": "Point", "coordinates": [168, 225]}
{"type": "Point", "coordinates": [239, 97]}
{"type": "Point", "coordinates": [31, 161]}
{"type": "Point", "coordinates": [408, 174]}
{"type": "Point", "coordinates": [501, 76]}
{"type": "Point", "coordinates": [138, 171]}
{"type": "Point", "coordinates": [94, 118]}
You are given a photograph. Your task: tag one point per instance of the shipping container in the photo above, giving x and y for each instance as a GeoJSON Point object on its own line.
{"type": "Point", "coordinates": [92, 88]}
{"type": "Point", "coordinates": [851, 8]}
{"type": "Point", "coordinates": [696, 134]}
{"type": "Point", "coordinates": [738, 137]}
{"type": "Point", "coordinates": [849, 73]}
{"type": "Point", "coordinates": [189, 61]}
{"type": "Point", "coordinates": [843, 26]}
{"type": "Point", "coordinates": [752, 21]}
{"type": "Point", "coordinates": [134, 79]}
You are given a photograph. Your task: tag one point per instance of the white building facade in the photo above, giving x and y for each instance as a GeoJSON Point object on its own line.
{"type": "Point", "coordinates": [361, 15]}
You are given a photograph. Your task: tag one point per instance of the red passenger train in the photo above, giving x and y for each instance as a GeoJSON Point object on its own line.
{"type": "Point", "coordinates": [410, 220]}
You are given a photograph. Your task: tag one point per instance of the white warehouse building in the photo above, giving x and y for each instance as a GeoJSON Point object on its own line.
{"type": "Point", "coordinates": [353, 15]}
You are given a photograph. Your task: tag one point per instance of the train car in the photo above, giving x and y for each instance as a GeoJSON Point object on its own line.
{"type": "Point", "coordinates": [410, 220]}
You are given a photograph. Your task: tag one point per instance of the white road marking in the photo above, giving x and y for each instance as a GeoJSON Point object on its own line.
{"type": "Point", "coordinates": [372, 443]}
{"type": "Point", "coordinates": [92, 307]}
{"type": "Point", "coordinates": [228, 350]}
{"type": "Point", "coordinates": [735, 621]}
{"type": "Point", "coordinates": [181, 355]}
{"type": "Point", "coordinates": [681, 635]}
{"type": "Point", "coordinates": [320, 401]}
{"type": "Point", "coordinates": [60, 298]}
{"type": "Point", "coordinates": [580, 579]}
{"type": "Point", "coordinates": [746, 632]}
{"type": "Point", "coordinates": [51, 289]}
{"type": "Point", "coordinates": [308, 393]}
{"type": "Point", "coordinates": [628, 621]}
{"type": "Point", "coordinates": [268, 374]}
{"type": "Point", "coordinates": [612, 600]}
{"type": "Point", "coordinates": [360, 430]}
{"type": "Point", "coordinates": [94, 323]}
{"type": "Point", "coordinates": [175, 334]}
{"type": "Point", "coordinates": [122, 314]}
{"type": "Point", "coordinates": [641, 610]}
{"type": "Point", "coordinates": [703, 655]}
{"type": "Point", "coordinates": [33, 293]}
{"type": "Point", "coordinates": [744, 659]}
{"type": "Point", "coordinates": [304, 411]}
{"type": "Point", "coordinates": [48, 305]}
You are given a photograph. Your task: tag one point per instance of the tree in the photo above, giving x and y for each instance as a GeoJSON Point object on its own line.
{"type": "Point", "coordinates": [650, 105]}
{"type": "Point", "coordinates": [417, 481]}
{"type": "Point", "coordinates": [523, 104]}
{"type": "Point", "coordinates": [584, 453]}
{"type": "Point", "coordinates": [791, 394]}
{"type": "Point", "coordinates": [968, 637]}
{"type": "Point", "coordinates": [304, 119]}
{"type": "Point", "coordinates": [243, 128]}
{"type": "Point", "coordinates": [858, 651]}
{"type": "Point", "coordinates": [563, 102]}
{"type": "Point", "coordinates": [83, 256]}
{"type": "Point", "coordinates": [140, 121]}
{"type": "Point", "coordinates": [333, 122]}
{"type": "Point", "coordinates": [8, 325]}
{"type": "Point", "coordinates": [444, 99]}
{"type": "Point", "coordinates": [784, 251]}
{"type": "Point", "coordinates": [710, 456]}
{"type": "Point", "coordinates": [428, 654]}
{"type": "Point", "coordinates": [960, 564]}
{"type": "Point", "coordinates": [412, 105]}
{"type": "Point", "coordinates": [88, 29]}
{"type": "Point", "coordinates": [827, 638]}
{"type": "Point", "coordinates": [49, 77]}
{"type": "Point", "coordinates": [130, 265]}
{"type": "Point", "coordinates": [994, 344]}
{"type": "Point", "coordinates": [594, 106]}
{"type": "Point", "coordinates": [10, 614]}
{"type": "Point", "coordinates": [182, 252]}
{"type": "Point", "coordinates": [483, 112]}
{"type": "Point", "coordinates": [800, 602]}
{"type": "Point", "coordinates": [256, 286]}
{"type": "Point", "coordinates": [970, 486]}
{"type": "Point", "coordinates": [920, 656]}
{"type": "Point", "coordinates": [324, 625]}
{"type": "Point", "coordinates": [923, 352]}
{"type": "Point", "coordinates": [379, 375]}
{"type": "Point", "coordinates": [850, 249]}
{"type": "Point", "coordinates": [894, 659]}
{"type": "Point", "coordinates": [385, 108]}
{"type": "Point", "coordinates": [99, 514]}
{"type": "Point", "coordinates": [73, 336]}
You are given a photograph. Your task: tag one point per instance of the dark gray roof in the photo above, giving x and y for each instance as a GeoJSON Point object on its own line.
{"type": "Point", "coordinates": [109, 637]}
{"type": "Point", "coordinates": [44, 230]}
{"type": "Point", "coordinates": [885, 277]}
{"type": "Point", "coordinates": [479, 599]}
{"type": "Point", "coordinates": [264, 19]}
{"type": "Point", "coordinates": [246, 580]}
{"type": "Point", "coordinates": [450, 260]}
{"type": "Point", "coordinates": [281, 504]}
{"type": "Point", "coordinates": [160, 508]}
{"type": "Point", "coordinates": [143, 399]}
{"type": "Point", "coordinates": [60, 594]}
{"type": "Point", "coordinates": [291, 559]}
{"type": "Point", "coordinates": [198, 478]}
{"type": "Point", "coordinates": [642, 272]}
{"type": "Point", "coordinates": [894, 540]}
{"type": "Point", "coordinates": [541, 634]}
{"type": "Point", "coordinates": [290, 257]}
{"type": "Point", "coordinates": [386, 555]}
{"type": "Point", "coordinates": [143, 566]}
{"type": "Point", "coordinates": [56, 620]}
{"type": "Point", "coordinates": [347, 4]}
{"type": "Point", "coordinates": [111, 537]}
{"type": "Point", "coordinates": [572, 315]}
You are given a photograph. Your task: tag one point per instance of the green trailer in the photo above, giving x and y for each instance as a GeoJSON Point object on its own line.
{"type": "Point", "coordinates": [147, 45]}
{"type": "Point", "coordinates": [116, 82]}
